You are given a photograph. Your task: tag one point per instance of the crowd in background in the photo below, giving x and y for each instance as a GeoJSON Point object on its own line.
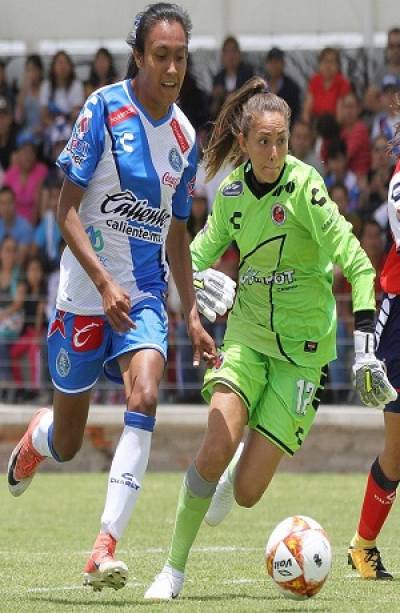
{"type": "Point", "coordinates": [342, 132]}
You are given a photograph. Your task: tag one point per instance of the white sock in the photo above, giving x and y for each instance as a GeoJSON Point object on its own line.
{"type": "Point", "coordinates": [40, 435]}
{"type": "Point", "coordinates": [127, 470]}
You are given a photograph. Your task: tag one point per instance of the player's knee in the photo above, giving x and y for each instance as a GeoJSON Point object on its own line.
{"type": "Point", "coordinates": [143, 400]}
{"type": "Point", "coordinates": [247, 499]}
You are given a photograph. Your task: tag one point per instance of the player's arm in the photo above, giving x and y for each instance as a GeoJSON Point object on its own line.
{"type": "Point", "coordinates": [181, 268]}
{"type": "Point", "coordinates": [213, 240]}
{"type": "Point", "coordinates": [334, 234]}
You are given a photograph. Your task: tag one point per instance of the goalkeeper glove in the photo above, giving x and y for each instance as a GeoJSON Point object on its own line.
{"type": "Point", "coordinates": [369, 373]}
{"type": "Point", "coordinates": [215, 292]}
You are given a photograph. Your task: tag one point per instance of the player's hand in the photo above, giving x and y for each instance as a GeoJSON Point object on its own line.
{"type": "Point", "coordinates": [202, 343]}
{"type": "Point", "coordinates": [369, 373]}
{"type": "Point", "coordinates": [215, 292]}
{"type": "Point", "coordinates": [117, 306]}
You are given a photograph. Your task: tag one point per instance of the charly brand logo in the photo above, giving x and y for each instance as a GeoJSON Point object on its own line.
{"type": "Point", "coordinates": [233, 189]}
{"type": "Point", "coordinates": [63, 363]}
{"type": "Point", "coordinates": [174, 158]}
{"type": "Point", "coordinates": [126, 204]}
{"type": "Point", "coordinates": [278, 214]}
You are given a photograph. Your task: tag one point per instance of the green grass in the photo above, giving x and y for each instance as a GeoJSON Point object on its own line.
{"type": "Point", "coordinates": [46, 536]}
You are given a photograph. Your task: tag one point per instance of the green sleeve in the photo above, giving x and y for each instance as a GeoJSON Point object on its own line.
{"type": "Point", "coordinates": [213, 240]}
{"type": "Point", "coordinates": [334, 234]}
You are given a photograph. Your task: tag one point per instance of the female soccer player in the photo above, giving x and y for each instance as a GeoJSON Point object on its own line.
{"type": "Point", "coordinates": [384, 476]}
{"type": "Point", "coordinates": [281, 331]}
{"type": "Point", "coordinates": [130, 166]}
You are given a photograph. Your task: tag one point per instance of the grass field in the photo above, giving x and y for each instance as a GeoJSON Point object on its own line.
{"type": "Point", "coordinates": [46, 536]}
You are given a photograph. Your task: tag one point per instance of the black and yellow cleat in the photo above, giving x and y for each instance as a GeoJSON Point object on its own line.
{"type": "Point", "coordinates": [368, 563]}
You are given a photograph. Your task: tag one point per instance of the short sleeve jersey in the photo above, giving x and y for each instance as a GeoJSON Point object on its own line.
{"type": "Point", "coordinates": [137, 173]}
{"type": "Point", "coordinates": [390, 276]}
{"type": "Point", "coordinates": [288, 241]}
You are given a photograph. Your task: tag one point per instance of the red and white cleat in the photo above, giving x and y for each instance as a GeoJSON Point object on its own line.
{"type": "Point", "coordinates": [24, 459]}
{"type": "Point", "coordinates": [102, 569]}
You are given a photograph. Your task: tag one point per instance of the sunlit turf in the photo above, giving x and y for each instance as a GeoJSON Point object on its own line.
{"type": "Point", "coordinates": [46, 536]}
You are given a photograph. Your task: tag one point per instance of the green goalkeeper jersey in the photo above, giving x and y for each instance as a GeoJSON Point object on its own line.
{"type": "Point", "coordinates": [288, 240]}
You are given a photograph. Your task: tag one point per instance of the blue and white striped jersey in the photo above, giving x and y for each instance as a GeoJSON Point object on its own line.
{"type": "Point", "coordinates": [137, 173]}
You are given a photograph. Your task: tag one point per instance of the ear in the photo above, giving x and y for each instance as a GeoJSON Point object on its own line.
{"type": "Point", "coordinates": [138, 57]}
{"type": "Point", "coordinates": [242, 142]}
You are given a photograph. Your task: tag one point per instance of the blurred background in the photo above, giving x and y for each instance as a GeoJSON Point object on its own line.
{"type": "Point", "coordinates": [54, 54]}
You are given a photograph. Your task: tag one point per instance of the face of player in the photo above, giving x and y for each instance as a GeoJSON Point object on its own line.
{"type": "Point", "coordinates": [266, 145]}
{"type": "Point", "coordinates": [162, 67]}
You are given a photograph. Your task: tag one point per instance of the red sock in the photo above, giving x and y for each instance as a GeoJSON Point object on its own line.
{"type": "Point", "coordinates": [379, 497]}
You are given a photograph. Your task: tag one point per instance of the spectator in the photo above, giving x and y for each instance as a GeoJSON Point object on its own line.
{"type": "Point", "coordinates": [102, 71]}
{"type": "Point", "coordinates": [30, 341]}
{"type": "Point", "coordinates": [27, 113]}
{"type": "Point", "coordinates": [386, 121]}
{"type": "Point", "coordinates": [13, 225]}
{"type": "Point", "coordinates": [302, 144]}
{"type": "Point", "coordinates": [194, 102]}
{"type": "Point", "coordinates": [12, 294]}
{"type": "Point", "coordinates": [8, 133]}
{"type": "Point", "coordinates": [62, 93]}
{"type": "Point", "coordinates": [339, 194]}
{"type": "Point", "coordinates": [6, 90]}
{"type": "Point", "coordinates": [233, 74]}
{"type": "Point", "coordinates": [326, 88]}
{"type": "Point", "coordinates": [391, 67]}
{"type": "Point", "coordinates": [337, 172]}
{"type": "Point", "coordinates": [47, 239]}
{"type": "Point", "coordinates": [355, 134]}
{"type": "Point", "coordinates": [372, 239]}
{"type": "Point", "coordinates": [375, 186]}
{"type": "Point", "coordinates": [25, 177]}
{"type": "Point", "coordinates": [280, 83]}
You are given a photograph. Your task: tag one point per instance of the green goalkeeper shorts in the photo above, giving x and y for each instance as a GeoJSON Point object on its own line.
{"type": "Point", "coordinates": [281, 398]}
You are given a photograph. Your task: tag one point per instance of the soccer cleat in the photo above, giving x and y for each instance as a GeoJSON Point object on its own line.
{"type": "Point", "coordinates": [102, 569]}
{"type": "Point", "coordinates": [368, 563]}
{"type": "Point", "coordinates": [24, 459]}
{"type": "Point", "coordinates": [166, 586]}
{"type": "Point", "coordinates": [223, 498]}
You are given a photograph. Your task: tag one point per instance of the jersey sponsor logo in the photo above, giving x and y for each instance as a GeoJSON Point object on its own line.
{"type": "Point", "coordinates": [310, 346]}
{"type": "Point", "coordinates": [88, 333]}
{"type": "Point", "coordinates": [190, 186]}
{"type": "Point", "coordinates": [219, 360]}
{"type": "Point", "coordinates": [174, 158]}
{"type": "Point", "coordinates": [57, 325]}
{"type": "Point", "coordinates": [82, 126]}
{"type": "Point", "coordinates": [63, 363]}
{"type": "Point", "coordinates": [317, 201]}
{"type": "Point", "coordinates": [179, 135]}
{"type": "Point", "coordinates": [251, 276]}
{"type": "Point", "coordinates": [278, 214]}
{"type": "Point", "coordinates": [233, 189]}
{"type": "Point", "coordinates": [121, 114]}
{"type": "Point", "coordinates": [170, 180]}
{"type": "Point", "coordinates": [140, 233]}
{"type": "Point", "coordinates": [396, 192]}
{"type": "Point", "coordinates": [126, 204]}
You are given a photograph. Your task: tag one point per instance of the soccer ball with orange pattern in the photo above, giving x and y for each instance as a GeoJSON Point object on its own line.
{"type": "Point", "coordinates": [298, 557]}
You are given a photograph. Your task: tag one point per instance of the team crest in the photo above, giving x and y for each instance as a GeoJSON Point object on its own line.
{"type": "Point", "coordinates": [174, 158]}
{"type": "Point", "coordinates": [278, 214]}
{"type": "Point", "coordinates": [63, 363]}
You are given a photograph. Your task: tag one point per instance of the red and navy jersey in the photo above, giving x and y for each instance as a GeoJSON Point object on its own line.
{"type": "Point", "coordinates": [390, 275]}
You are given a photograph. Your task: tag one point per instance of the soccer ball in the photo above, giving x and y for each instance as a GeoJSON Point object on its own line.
{"type": "Point", "coordinates": [298, 557]}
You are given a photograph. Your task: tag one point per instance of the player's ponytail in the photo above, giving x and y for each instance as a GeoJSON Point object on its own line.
{"type": "Point", "coordinates": [160, 11]}
{"type": "Point", "coordinates": [235, 118]}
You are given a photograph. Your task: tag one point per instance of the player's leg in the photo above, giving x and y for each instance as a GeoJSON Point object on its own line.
{"type": "Point", "coordinates": [384, 475]}
{"type": "Point", "coordinates": [236, 381]}
{"type": "Point", "coordinates": [226, 421]}
{"type": "Point", "coordinates": [58, 433]}
{"type": "Point", "coordinates": [138, 359]}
